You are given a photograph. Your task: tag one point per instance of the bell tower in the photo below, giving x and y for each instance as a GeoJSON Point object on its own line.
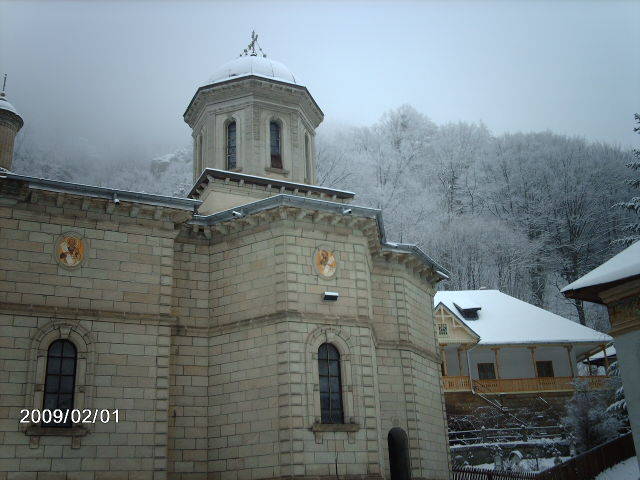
{"type": "Point", "coordinates": [253, 116]}
{"type": "Point", "coordinates": [10, 124]}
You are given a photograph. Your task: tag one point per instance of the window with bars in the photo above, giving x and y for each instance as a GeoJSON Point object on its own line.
{"type": "Point", "coordinates": [60, 378]}
{"type": "Point", "coordinates": [330, 384]}
{"type": "Point", "coordinates": [443, 329]}
{"type": "Point", "coordinates": [276, 148]}
{"type": "Point", "coordinates": [231, 146]}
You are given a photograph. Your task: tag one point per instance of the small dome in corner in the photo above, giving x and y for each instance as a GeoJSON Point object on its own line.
{"type": "Point", "coordinates": [5, 105]}
{"type": "Point", "coordinates": [253, 65]}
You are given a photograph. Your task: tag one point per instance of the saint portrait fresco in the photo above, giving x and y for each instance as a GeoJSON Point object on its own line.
{"type": "Point", "coordinates": [325, 262]}
{"type": "Point", "coordinates": [70, 250]}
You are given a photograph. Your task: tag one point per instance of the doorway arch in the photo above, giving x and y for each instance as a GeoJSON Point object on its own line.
{"type": "Point", "coordinates": [399, 464]}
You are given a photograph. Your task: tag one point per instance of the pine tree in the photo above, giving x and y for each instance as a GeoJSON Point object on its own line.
{"type": "Point", "coordinates": [632, 230]}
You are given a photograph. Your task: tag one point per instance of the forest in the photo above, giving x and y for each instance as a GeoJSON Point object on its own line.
{"type": "Point", "coordinates": [526, 213]}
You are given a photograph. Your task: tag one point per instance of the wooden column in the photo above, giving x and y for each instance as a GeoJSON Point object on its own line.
{"type": "Point", "coordinates": [459, 362]}
{"type": "Point", "coordinates": [533, 361]}
{"type": "Point", "coordinates": [606, 360]}
{"type": "Point", "coordinates": [443, 355]}
{"type": "Point", "coordinates": [571, 366]}
{"type": "Point", "coordinates": [496, 353]}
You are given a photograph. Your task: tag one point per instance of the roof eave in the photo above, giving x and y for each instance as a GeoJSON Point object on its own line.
{"type": "Point", "coordinates": [592, 293]}
{"type": "Point", "coordinates": [57, 186]}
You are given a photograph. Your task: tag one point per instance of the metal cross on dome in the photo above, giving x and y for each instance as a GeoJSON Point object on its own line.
{"type": "Point", "coordinates": [251, 48]}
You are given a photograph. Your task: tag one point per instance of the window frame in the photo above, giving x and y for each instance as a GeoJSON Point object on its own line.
{"type": "Point", "coordinates": [278, 156]}
{"type": "Point", "coordinates": [84, 342]}
{"type": "Point", "coordinates": [544, 364]}
{"type": "Point", "coordinates": [328, 417]}
{"type": "Point", "coordinates": [352, 404]}
{"type": "Point", "coordinates": [231, 122]}
{"type": "Point", "coordinates": [443, 329]}
{"type": "Point", "coordinates": [59, 376]}
{"type": "Point", "coordinates": [485, 365]}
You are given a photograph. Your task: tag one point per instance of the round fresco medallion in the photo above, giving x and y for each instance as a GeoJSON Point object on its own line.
{"type": "Point", "coordinates": [70, 250]}
{"type": "Point", "coordinates": [325, 262]}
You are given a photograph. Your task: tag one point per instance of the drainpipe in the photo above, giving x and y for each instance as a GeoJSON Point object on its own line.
{"type": "Point", "coordinates": [469, 369]}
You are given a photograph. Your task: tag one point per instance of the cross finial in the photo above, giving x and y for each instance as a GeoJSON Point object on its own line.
{"type": "Point", "coordinates": [251, 48]}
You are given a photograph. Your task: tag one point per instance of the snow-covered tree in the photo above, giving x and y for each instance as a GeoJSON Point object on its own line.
{"type": "Point", "coordinates": [587, 418]}
{"type": "Point", "coordinates": [632, 229]}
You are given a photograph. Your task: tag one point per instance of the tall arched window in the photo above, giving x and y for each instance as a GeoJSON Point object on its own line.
{"type": "Point", "coordinates": [330, 384]}
{"type": "Point", "coordinates": [231, 146]}
{"type": "Point", "coordinates": [61, 377]}
{"type": "Point", "coordinates": [276, 147]}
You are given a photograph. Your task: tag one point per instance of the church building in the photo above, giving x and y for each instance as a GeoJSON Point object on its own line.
{"type": "Point", "coordinates": [264, 327]}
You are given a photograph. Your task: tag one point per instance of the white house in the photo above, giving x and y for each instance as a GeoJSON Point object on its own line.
{"type": "Point", "coordinates": [493, 343]}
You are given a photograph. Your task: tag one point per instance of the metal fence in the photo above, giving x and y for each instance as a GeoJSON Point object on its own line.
{"type": "Point", "coordinates": [585, 466]}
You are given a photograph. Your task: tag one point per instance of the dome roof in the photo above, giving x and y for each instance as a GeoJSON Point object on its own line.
{"type": "Point", "coordinates": [253, 65]}
{"type": "Point", "coordinates": [5, 105]}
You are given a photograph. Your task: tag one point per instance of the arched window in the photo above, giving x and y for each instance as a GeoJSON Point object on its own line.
{"type": "Point", "coordinates": [231, 146]}
{"type": "Point", "coordinates": [61, 378]}
{"type": "Point", "coordinates": [276, 147]}
{"type": "Point", "coordinates": [330, 384]}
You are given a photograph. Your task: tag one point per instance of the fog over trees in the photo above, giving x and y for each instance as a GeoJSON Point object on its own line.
{"type": "Point", "coordinates": [523, 213]}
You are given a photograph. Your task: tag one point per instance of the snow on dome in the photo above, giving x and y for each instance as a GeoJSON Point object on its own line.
{"type": "Point", "coordinates": [504, 319]}
{"type": "Point", "coordinates": [5, 105]}
{"type": "Point", "coordinates": [626, 264]}
{"type": "Point", "coordinates": [253, 65]}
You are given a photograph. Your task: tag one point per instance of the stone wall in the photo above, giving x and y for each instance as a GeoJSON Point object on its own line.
{"type": "Point", "coordinates": [208, 347]}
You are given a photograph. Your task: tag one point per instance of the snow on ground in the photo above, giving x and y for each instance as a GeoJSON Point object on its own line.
{"type": "Point", "coordinates": [626, 470]}
{"type": "Point", "coordinates": [527, 464]}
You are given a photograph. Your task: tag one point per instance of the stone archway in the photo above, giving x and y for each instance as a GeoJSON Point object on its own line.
{"type": "Point", "coordinates": [399, 463]}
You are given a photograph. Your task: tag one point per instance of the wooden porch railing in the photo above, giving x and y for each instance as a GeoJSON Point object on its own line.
{"type": "Point", "coordinates": [457, 384]}
{"type": "Point", "coordinates": [519, 385]}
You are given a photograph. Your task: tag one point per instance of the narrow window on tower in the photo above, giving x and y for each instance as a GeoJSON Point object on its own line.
{"type": "Point", "coordinates": [60, 379]}
{"type": "Point", "coordinates": [276, 147]}
{"type": "Point", "coordinates": [231, 146]}
{"type": "Point", "coordinates": [330, 384]}
{"type": "Point", "coordinates": [199, 160]}
{"type": "Point", "coordinates": [307, 158]}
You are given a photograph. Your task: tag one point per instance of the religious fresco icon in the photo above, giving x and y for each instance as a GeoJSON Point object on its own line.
{"type": "Point", "coordinates": [70, 250]}
{"type": "Point", "coordinates": [325, 262]}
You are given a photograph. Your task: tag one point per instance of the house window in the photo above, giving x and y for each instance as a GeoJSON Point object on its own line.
{"type": "Point", "coordinates": [231, 146]}
{"type": "Point", "coordinates": [276, 147]}
{"type": "Point", "coordinates": [60, 378]}
{"type": "Point", "coordinates": [545, 369]}
{"type": "Point", "coordinates": [443, 329]}
{"type": "Point", "coordinates": [486, 371]}
{"type": "Point", "coordinates": [330, 384]}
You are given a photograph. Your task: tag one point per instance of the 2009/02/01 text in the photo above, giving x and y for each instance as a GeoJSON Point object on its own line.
{"type": "Point", "coordinates": [64, 417]}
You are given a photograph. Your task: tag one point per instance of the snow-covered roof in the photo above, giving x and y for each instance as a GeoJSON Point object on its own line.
{"type": "Point", "coordinates": [5, 105]}
{"type": "Point", "coordinates": [624, 265]}
{"type": "Point", "coordinates": [253, 65]}
{"type": "Point", "coordinates": [503, 319]}
{"type": "Point", "coordinates": [611, 351]}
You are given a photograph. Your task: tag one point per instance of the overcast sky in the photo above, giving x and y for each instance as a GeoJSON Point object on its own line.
{"type": "Point", "coordinates": [121, 74]}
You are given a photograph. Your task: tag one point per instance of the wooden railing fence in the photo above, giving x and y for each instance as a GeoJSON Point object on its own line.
{"type": "Point", "coordinates": [585, 466]}
{"type": "Point", "coordinates": [520, 385]}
